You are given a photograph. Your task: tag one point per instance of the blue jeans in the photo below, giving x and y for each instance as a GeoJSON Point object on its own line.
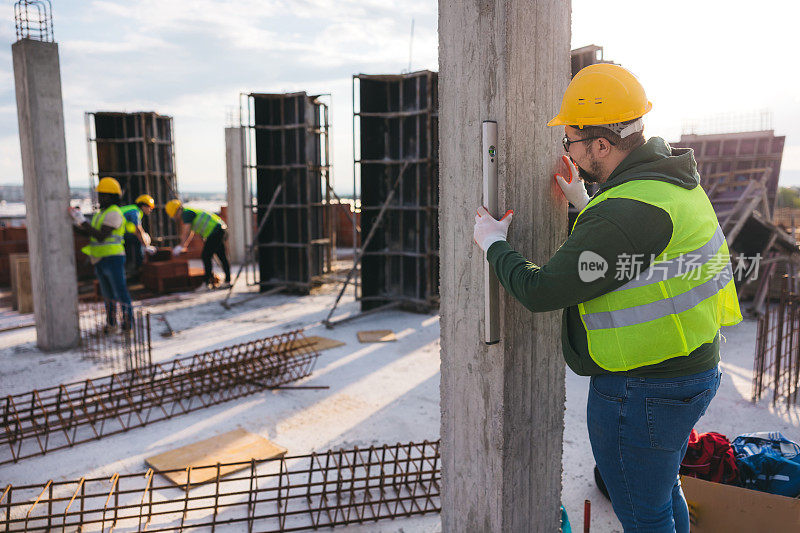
{"type": "Point", "coordinates": [639, 429]}
{"type": "Point", "coordinates": [134, 254]}
{"type": "Point", "coordinates": [111, 275]}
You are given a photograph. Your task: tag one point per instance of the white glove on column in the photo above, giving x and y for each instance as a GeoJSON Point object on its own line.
{"type": "Point", "coordinates": [77, 217]}
{"type": "Point", "coordinates": [150, 250]}
{"type": "Point", "coordinates": [177, 250]}
{"type": "Point", "coordinates": [573, 189]}
{"type": "Point", "coordinates": [488, 230]}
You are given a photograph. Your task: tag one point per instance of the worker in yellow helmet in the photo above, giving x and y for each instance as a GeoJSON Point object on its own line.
{"type": "Point", "coordinates": [137, 239]}
{"type": "Point", "coordinates": [210, 228]}
{"type": "Point", "coordinates": [106, 251]}
{"type": "Point", "coordinates": [645, 282]}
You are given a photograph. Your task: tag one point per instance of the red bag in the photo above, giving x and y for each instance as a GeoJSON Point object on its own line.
{"type": "Point", "coordinates": [709, 456]}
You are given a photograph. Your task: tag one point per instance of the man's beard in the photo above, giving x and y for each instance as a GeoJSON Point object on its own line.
{"type": "Point", "coordinates": [593, 174]}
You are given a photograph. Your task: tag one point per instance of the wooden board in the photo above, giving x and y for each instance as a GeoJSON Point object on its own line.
{"type": "Point", "coordinates": [378, 335]}
{"type": "Point", "coordinates": [315, 343]}
{"type": "Point", "coordinates": [231, 447]}
{"type": "Point", "coordinates": [23, 285]}
{"type": "Point", "coordinates": [12, 264]}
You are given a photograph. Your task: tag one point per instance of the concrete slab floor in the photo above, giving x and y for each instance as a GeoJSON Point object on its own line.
{"type": "Point", "coordinates": [379, 393]}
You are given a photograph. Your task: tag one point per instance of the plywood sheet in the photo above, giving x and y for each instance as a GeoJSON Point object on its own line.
{"type": "Point", "coordinates": [377, 335]}
{"type": "Point", "coordinates": [315, 343]}
{"type": "Point", "coordinates": [231, 447]}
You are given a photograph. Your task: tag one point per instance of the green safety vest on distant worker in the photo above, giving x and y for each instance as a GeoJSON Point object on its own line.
{"type": "Point", "coordinates": [680, 301]}
{"type": "Point", "coordinates": [112, 245]}
{"type": "Point", "coordinates": [204, 222]}
{"type": "Point", "coordinates": [130, 227]}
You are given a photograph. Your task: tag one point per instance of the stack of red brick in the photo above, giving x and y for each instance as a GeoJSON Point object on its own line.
{"type": "Point", "coordinates": [163, 273]}
{"type": "Point", "coordinates": [12, 241]}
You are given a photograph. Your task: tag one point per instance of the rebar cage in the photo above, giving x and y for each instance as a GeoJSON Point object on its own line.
{"type": "Point", "coordinates": [286, 144]}
{"type": "Point", "coordinates": [42, 421]}
{"type": "Point", "coordinates": [298, 493]}
{"type": "Point", "coordinates": [777, 359]}
{"type": "Point", "coordinates": [108, 335]}
{"type": "Point", "coordinates": [396, 140]}
{"type": "Point", "coordinates": [33, 19]}
{"type": "Point", "coordinates": [137, 149]}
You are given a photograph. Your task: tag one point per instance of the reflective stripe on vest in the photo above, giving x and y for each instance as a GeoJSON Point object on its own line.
{"type": "Point", "coordinates": [130, 227]}
{"type": "Point", "coordinates": [204, 222]}
{"type": "Point", "coordinates": [111, 245]}
{"type": "Point", "coordinates": [680, 301]}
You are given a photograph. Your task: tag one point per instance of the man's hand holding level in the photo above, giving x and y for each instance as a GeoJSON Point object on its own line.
{"type": "Point", "coordinates": [488, 230]}
{"type": "Point", "coordinates": [573, 189]}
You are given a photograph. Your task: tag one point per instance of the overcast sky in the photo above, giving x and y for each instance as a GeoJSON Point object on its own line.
{"type": "Point", "coordinates": [192, 59]}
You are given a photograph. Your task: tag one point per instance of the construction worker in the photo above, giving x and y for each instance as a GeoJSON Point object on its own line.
{"type": "Point", "coordinates": [210, 228]}
{"type": "Point", "coordinates": [645, 282]}
{"type": "Point", "coordinates": [107, 252]}
{"type": "Point", "coordinates": [137, 239]}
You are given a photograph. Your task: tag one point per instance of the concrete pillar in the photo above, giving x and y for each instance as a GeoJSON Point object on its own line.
{"type": "Point", "coordinates": [44, 170]}
{"type": "Point", "coordinates": [502, 405]}
{"type": "Point", "coordinates": [237, 230]}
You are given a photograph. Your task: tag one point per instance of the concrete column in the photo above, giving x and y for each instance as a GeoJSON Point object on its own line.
{"type": "Point", "coordinates": [40, 111]}
{"type": "Point", "coordinates": [237, 230]}
{"type": "Point", "coordinates": [502, 405]}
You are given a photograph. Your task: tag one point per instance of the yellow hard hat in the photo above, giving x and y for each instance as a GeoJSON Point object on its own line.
{"type": "Point", "coordinates": [110, 186]}
{"type": "Point", "coordinates": [147, 200]}
{"type": "Point", "coordinates": [172, 207]}
{"type": "Point", "coordinates": [602, 94]}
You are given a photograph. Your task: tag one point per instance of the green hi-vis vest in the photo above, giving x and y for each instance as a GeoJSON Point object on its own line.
{"type": "Point", "coordinates": [130, 227]}
{"type": "Point", "coordinates": [204, 222]}
{"type": "Point", "coordinates": [680, 301]}
{"type": "Point", "coordinates": [112, 245]}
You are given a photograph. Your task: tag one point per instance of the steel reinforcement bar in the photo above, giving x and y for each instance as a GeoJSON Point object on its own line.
{"type": "Point", "coordinates": [288, 494]}
{"type": "Point", "coordinates": [41, 421]}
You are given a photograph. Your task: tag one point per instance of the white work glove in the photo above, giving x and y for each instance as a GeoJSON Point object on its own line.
{"type": "Point", "coordinates": [488, 230]}
{"type": "Point", "coordinates": [573, 189]}
{"type": "Point", "coordinates": [77, 217]}
{"type": "Point", "coordinates": [177, 250]}
{"type": "Point", "coordinates": [150, 250]}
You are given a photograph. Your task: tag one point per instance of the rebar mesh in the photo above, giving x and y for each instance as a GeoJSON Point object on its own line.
{"type": "Point", "coordinates": [108, 335]}
{"type": "Point", "coordinates": [33, 19]}
{"type": "Point", "coordinates": [777, 359]}
{"type": "Point", "coordinates": [287, 494]}
{"type": "Point", "coordinates": [41, 421]}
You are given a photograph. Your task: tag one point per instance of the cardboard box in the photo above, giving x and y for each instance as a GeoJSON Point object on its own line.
{"type": "Point", "coordinates": [714, 507]}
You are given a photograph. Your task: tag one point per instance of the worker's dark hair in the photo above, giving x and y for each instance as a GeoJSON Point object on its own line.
{"type": "Point", "coordinates": [628, 144]}
{"type": "Point", "coordinates": [142, 204]}
{"type": "Point", "coordinates": [113, 199]}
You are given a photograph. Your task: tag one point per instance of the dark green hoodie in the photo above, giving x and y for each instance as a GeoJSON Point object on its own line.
{"type": "Point", "coordinates": [611, 229]}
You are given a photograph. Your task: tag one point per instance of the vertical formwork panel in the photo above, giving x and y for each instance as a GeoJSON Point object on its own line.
{"type": "Point", "coordinates": [398, 141]}
{"type": "Point", "coordinates": [289, 140]}
{"type": "Point", "coordinates": [137, 150]}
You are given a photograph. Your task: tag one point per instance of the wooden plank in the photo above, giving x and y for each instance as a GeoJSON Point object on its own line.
{"type": "Point", "coordinates": [377, 335]}
{"type": "Point", "coordinates": [315, 343]}
{"type": "Point", "coordinates": [23, 284]}
{"type": "Point", "coordinates": [12, 267]}
{"type": "Point", "coordinates": [234, 446]}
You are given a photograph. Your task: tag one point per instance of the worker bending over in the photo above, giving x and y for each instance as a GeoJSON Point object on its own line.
{"type": "Point", "coordinates": [106, 251]}
{"type": "Point", "coordinates": [136, 238]}
{"type": "Point", "coordinates": [210, 228]}
{"type": "Point", "coordinates": [645, 282]}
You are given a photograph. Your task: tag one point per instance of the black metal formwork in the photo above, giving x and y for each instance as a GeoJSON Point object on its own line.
{"type": "Point", "coordinates": [286, 145]}
{"type": "Point", "coordinates": [138, 150]}
{"type": "Point", "coordinates": [396, 131]}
